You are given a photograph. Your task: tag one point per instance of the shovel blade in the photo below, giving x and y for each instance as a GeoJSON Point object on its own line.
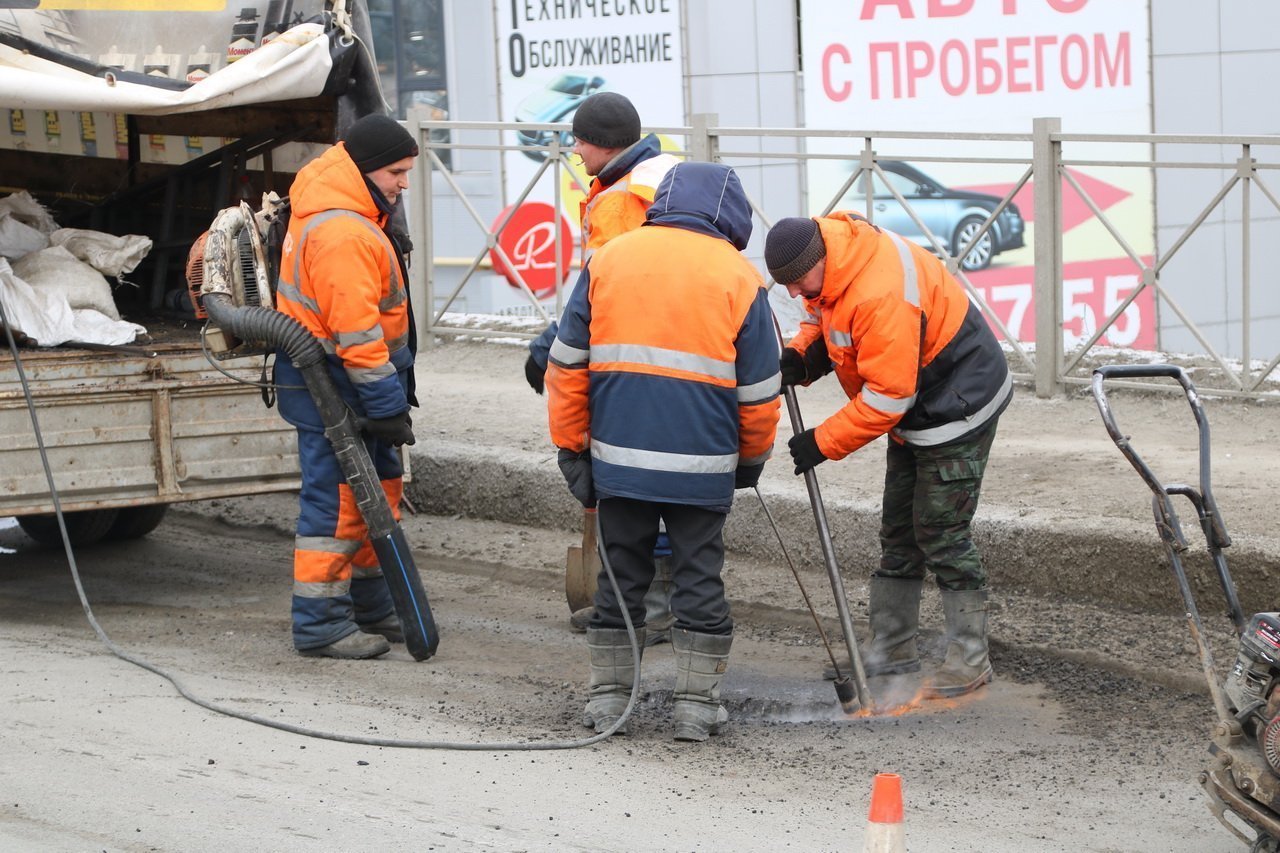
{"type": "Point", "coordinates": [582, 566]}
{"type": "Point", "coordinates": [580, 572]}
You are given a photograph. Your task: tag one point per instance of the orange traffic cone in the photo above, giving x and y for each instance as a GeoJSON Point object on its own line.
{"type": "Point", "coordinates": [884, 822]}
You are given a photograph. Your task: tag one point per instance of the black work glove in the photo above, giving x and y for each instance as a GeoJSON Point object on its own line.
{"type": "Point", "coordinates": [817, 363]}
{"type": "Point", "coordinates": [805, 452]}
{"type": "Point", "coordinates": [791, 364]}
{"type": "Point", "coordinates": [746, 476]}
{"type": "Point", "coordinates": [534, 374]}
{"type": "Point", "coordinates": [395, 430]}
{"type": "Point", "coordinates": [576, 468]}
{"type": "Point", "coordinates": [800, 368]}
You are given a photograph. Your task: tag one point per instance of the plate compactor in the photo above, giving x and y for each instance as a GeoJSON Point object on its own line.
{"type": "Point", "coordinates": [1243, 776]}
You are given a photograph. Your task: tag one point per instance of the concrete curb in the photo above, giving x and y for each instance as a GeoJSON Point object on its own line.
{"type": "Point", "coordinates": [1124, 566]}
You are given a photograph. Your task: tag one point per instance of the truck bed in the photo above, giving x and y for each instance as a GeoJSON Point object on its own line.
{"type": "Point", "coordinates": [146, 424]}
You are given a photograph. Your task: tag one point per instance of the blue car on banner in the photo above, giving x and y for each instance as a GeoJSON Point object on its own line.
{"type": "Point", "coordinates": [556, 102]}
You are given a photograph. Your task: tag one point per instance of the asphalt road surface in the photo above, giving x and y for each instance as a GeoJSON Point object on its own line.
{"type": "Point", "coordinates": [1090, 739]}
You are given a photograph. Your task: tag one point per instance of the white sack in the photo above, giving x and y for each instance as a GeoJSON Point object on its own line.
{"type": "Point", "coordinates": [55, 270]}
{"type": "Point", "coordinates": [107, 253]}
{"type": "Point", "coordinates": [94, 327]}
{"type": "Point", "coordinates": [17, 239]}
{"type": "Point", "coordinates": [47, 318]}
{"type": "Point", "coordinates": [44, 317]}
{"type": "Point", "coordinates": [22, 207]}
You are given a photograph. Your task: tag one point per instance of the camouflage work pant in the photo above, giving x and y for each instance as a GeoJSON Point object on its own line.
{"type": "Point", "coordinates": [930, 495]}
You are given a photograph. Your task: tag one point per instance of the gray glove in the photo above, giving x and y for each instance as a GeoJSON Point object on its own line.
{"type": "Point", "coordinates": [576, 468]}
{"type": "Point", "coordinates": [395, 430]}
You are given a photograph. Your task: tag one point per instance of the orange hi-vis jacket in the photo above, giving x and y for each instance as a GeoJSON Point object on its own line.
{"type": "Point", "coordinates": [340, 277]}
{"type": "Point", "coordinates": [910, 349]}
{"type": "Point", "coordinates": [620, 195]}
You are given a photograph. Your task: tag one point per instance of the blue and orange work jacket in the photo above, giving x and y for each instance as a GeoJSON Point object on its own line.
{"type": "Point", "coordinates": [665, 366]}
{"type": "Point", "coordinates": [340, 276]}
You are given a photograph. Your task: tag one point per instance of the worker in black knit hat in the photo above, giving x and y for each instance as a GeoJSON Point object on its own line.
{"type": "Point", "coordinates": [343, 277]}
{"type": "Point", "coordinates": [377, 142]}
{"type": "Point", "coordinates": [606, 131]}
{"type": "Point", "coordinates": [919, 363]}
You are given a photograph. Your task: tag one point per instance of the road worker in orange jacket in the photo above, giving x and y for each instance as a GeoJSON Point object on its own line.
{"type": "Point", "coordinates": [919, 363]}
{"type": "Point", "coordinates": [625, 172]}
{"type": "Point", "coordinates": [663, 398]}
{"type": "Point", "coordinates": [343, 276]}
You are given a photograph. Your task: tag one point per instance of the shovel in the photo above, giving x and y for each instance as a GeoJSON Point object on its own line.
{"type": "Point", "coordinates": [582, 566]}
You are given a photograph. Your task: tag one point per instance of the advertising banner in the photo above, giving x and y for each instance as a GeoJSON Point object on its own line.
{"type": "Point", "coordinates": [991, 66]}
{"type": "Point", "coordinates": [553, 55]}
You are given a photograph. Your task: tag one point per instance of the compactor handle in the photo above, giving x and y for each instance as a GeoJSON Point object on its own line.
{"type": "Point", "coordinates": [1215, 531]}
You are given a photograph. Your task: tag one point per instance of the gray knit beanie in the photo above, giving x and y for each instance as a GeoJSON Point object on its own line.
{"type": "Point", "coordinates": [607, 119]}
{"type": "Point", "coordinates": [792, 248]}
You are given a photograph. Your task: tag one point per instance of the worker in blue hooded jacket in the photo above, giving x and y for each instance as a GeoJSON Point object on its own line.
{"type": "Point", "coordinates": [663, 391]}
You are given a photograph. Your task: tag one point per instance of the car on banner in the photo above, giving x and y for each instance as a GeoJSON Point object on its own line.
{"type": "Point", "coordinates": [555, 102]}
{"type": "Point", "coordinates": [953, 216]}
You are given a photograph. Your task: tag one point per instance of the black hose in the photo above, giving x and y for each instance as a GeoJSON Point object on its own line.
{"type": "Point", "coordinates": [254, 323]}
{"type": "Point", "coordinates": [258, 324]}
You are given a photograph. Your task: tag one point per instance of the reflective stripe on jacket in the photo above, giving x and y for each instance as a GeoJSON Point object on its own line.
{"type": "Point", "coordinates": [620, 195]}
{"type": "Point", "coordinates": [665, 365]}
{"type": "Point", "coordinates": [340, 277]}
{"type": "Point", "coordinates": [879, 293]}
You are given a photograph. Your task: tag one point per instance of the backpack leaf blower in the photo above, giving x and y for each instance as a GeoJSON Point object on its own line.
{"type": "Point", "coordinates": [231, 288]}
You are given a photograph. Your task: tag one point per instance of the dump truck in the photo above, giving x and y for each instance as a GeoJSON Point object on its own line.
{"type": "Point", "coordinates": [147, 123]}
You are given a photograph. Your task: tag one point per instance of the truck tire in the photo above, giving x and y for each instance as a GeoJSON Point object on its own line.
{"type": "Point", "coordinates": [134, 522]}
{"type": "Point", "coordinates": [83, 528]}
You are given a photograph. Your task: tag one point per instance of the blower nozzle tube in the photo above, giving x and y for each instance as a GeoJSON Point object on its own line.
{"type": "Point", "coordinates": [290, 336]}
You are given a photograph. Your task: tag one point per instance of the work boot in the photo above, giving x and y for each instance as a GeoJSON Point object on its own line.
{"type": "Point", "coordinates": [355, 646]}
{"type": "Point", "coordinates": [580, 620]}
{"type": "Point", "coordinates": [895, 620]}
{"type": "Point", "coordinates": [894, 605]}
{"type": "Point", "coordinates": [388, 626]}
{"type": "Point", "coordinates": [701, 660]}
{"type": "Point", "coordinates": [612, 672]}
{"type": "Point", "coordinates": [658, 618]}
{"type": "Point", "coordinates": [967, 666]}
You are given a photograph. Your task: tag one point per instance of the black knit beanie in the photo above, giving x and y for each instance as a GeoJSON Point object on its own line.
{"type": "Point", "coordinates": [376, 141]}
{"type": "Point", "coordinates": [792, 247]}
{"type": "Point", "coordinates": [607, 119]}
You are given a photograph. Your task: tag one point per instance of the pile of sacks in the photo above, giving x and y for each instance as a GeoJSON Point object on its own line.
{"type": "Point", "coordinates": [53, 286]}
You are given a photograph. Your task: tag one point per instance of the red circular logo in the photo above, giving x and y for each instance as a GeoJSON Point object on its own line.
{"type": "Point", "coordinates": [529, 240]}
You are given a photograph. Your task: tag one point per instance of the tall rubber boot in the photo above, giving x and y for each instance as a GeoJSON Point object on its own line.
{"type": "Point", "coordinates": [658, 618]}
{"type": "Point", "coordinates": [701, 661]}
{"type": "Point", "coordinates": [894, 605]}
{"type": "Point", "coordinates": [967, 666]}
{"type": "Point", "coordinates": [612, 671]}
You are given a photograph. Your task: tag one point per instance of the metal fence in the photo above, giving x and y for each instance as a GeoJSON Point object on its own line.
{"type": "Point", "coordinates": [1197, 181]}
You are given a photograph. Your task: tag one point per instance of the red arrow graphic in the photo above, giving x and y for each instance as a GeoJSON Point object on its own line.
{"type": "Point", "coordinates": [1074, 209]}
